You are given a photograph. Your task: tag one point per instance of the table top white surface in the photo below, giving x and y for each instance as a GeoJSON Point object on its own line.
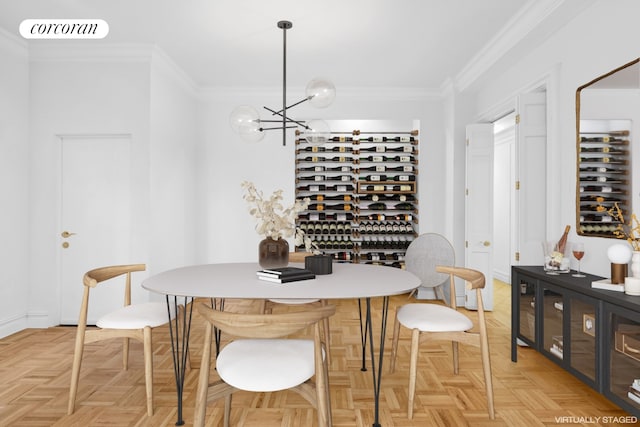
{"type": "Point", "coordinates": [239, 280]}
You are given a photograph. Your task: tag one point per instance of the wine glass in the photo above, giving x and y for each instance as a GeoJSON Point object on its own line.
{"type": "Point", "coordinates": [578, 253]}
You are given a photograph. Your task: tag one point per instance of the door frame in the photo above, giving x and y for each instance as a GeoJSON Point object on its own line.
{"type": "Point", "coordinates": [550, 83]}
{"type": "Point", "coordinates": [59, 140]}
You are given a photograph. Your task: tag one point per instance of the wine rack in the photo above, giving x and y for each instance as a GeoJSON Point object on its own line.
{"type": "Point", "coordinates": [604, 180]}
{"type": "Point", "coordinates": [362, 188]}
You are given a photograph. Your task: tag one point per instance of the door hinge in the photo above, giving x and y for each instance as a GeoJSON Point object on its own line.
{"type": "Point", "coordinates": [517, 185]}
{"type": "Point", "coordinates": [517, 256]}
{"type": "Point", "coordinates": [466, 244]}
{"type": "Point", "coordinates": [466, 191]}
{"type": "Point", "coordinates": [467, 142]}
{"type": "Point", "coordinates": [517, 119]}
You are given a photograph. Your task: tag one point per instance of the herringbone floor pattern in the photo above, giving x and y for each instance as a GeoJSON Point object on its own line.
{"type": "Point", "coordinates": [35, 366]}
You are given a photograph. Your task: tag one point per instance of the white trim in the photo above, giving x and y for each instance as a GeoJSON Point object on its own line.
{"type": "Point", "coordinates": [379, 93]}
{"type": "Point", "coordinates": [14, 43]}
{"type": "Point", "coordinates": [12, 325]}
{"type": "Point", "coordinates": [523, 24]}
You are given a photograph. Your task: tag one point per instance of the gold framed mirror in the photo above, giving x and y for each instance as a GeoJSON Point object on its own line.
{"type": "Point", "coordinates": [607, 110]}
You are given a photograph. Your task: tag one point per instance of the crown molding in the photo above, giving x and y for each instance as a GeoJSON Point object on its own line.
{"type": "Point", "coordinates": [519, 27]}
{"type": "Point", "coordinates": [83, 51]}
{"type": "Point", "coordinates": [13, 43]}
{"type": "Point", "coordinates": [167, 64]}
{"type": "Point", "coordinates": [384, 93]}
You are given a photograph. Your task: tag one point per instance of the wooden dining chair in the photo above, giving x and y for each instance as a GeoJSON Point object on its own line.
{"type": "Point", "coordinates": [437, 322]}
{"type": "Point", "coordinates": [132, 321]}
{"type": "Point", "coordinates": [261, 359]}
{"type": "Point", "coordinates": [268, 304]}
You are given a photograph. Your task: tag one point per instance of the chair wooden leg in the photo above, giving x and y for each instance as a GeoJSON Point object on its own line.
{"type": "Point", "coordinates": [75, 371]}
{"type": "Point", "coordinates": [125, 353]}
{"type": "Point", "coordinates": [327, 333]}
{"type": "Point", "coordinates": [148, 367]}
{"type": "Point", "coordinates": [394, 346]}
{"type": "Point", "coordinates": [203, 381]}
{"type": "Point", "coordinates": [413, 370]}
{"type": "Point", "coordinates": [329, 415]}
{"type": "Point", "coordinates": [486, 368]}
{"type": "Point", "coordinates": [456, 359]}
{"type": "Point", "coordinates": [227, 410]}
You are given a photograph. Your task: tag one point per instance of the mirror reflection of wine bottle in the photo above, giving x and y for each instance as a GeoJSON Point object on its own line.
{"type": "Point", "coordinates": [403, 178]}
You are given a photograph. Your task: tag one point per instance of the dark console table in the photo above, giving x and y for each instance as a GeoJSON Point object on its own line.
{"type": "Point", "coordinates": [592, 333]}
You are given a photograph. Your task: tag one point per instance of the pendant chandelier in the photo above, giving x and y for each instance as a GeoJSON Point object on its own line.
{"type": "Point", "coordinates": [320, 93]}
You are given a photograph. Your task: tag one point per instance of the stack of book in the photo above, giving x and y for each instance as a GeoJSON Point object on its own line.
{"type": "Point", "coordinates": [285, 274]}
{"type": "Point", "coordinates": [634, 391]}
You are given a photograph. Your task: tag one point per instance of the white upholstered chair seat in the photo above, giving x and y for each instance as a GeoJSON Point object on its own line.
{"type": "Point", "coordinates": [264, 365]}
{"type": "Point", "coordinates": [136, 316]}
{"type": "Point", "coordinates": [429, 317]}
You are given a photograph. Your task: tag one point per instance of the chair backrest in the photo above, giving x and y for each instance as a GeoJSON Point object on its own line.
{"type": "Point", "coordinates": [98, 275]}
{"type": "Point", "coordinates": [245, 325]}
{"type": "Point", "coordinates": [425, 253]}
{"type": "Point", "coordinates": [474, 280]}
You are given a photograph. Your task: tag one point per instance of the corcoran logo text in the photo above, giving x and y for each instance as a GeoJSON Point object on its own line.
{"type": "Point", "coordinates": [64, 29]}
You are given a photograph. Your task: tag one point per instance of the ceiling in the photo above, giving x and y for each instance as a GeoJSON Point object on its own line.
{"type": "Point", "coordinates": [354, 43]}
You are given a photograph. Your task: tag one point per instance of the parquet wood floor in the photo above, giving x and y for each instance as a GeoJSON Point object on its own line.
{"type": "Point", "coordinates": [35, 372]}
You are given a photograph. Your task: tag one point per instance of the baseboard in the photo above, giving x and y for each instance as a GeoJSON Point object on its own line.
{"type": "Point", "coordinates": [10, 326]}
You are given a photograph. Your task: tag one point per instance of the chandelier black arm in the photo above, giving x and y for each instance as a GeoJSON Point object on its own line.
{"type": "Point", "coordinates": [308, 98]}
{"type": "Point", "coordinates": [299, 123]}
{"type": "Point", "coordinates": [277, 128]}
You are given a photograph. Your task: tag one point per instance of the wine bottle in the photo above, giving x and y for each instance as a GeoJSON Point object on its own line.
{"type": "Point", "coordinates": [316, 207]}
{"type": "Point", "coordinates": [405, 168]}
{"type": "Point", "coordinates": [311, 188]}
{"type": "Point", "coordinates": [340, 169]}
{"type": "Point", "coordinates": [313, 149]}
{"type": "Point", "coordinates": [339, 178]}
{"type": "Point", "coordinates": [375, 158]}
{"type": "Point", "coordinates": [377, 206]}
{"type": "Point", "coordinates": [401, 149]}
{"type": "Point", "coordinates": [403, 159]}
{"type": "Point", "coordinates": [374, 178]}
{"type": "Point", "coordinates": [376, 168]}
{"type": "Point", "coordinates": [403, 178]}
{"type": "Point", "coordinates": [404, 206]}
{"type": "Point", "coordinates": [341, 138]}
{"type": "Point", "coordinates": [341, 159]}
{"type": "Point", "coordinates": [374, 149]}
{"type": "Point", "coordinates": [314, 159]}
{"type": "Point", "coordinates": [562, 242]}
{"type": "Point", "coordinates": [311, 169]}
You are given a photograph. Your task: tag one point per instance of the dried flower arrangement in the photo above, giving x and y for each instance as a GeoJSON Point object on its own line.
{"type": "Point", "coordinates": [630, 231]}
{"type": "Point", "coordinates": [273, 219]}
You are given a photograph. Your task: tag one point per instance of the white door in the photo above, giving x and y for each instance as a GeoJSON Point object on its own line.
{"type": "Point", "coordinates": [531, 136]}
{"type": "Point", "coordinates": [95, 219]}
{"type": "Point", "coordinates": [479, 209]}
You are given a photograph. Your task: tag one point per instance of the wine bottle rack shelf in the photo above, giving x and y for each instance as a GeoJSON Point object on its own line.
{"type": "Point", "coordinates": [604, 175]}
{"type": "Point", "coordinates": [362, 188]}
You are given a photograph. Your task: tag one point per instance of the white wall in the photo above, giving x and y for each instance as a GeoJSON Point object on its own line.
{"type": "Point", "coordinates": [79, 96]}
{"type": "Point", "coordinates": [580, 51]}
{"type": "Point", "coordinates": [14, 184]}
{"type": "Point", "coordinates": [174, 136]}
{"type": "Point", "coordinates": [228, 230]}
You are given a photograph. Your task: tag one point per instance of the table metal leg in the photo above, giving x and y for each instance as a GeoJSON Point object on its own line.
{"type": "Point", "coordinates": [363, 336]}
{"type": "Point", "coordinates": [368, 330]}
{"type": "Point", "coordinates": [179, 330]}
{"type": "Point", "coordinates": [215, 303]}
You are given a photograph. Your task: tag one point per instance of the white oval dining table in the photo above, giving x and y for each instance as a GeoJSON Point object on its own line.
{"type": "Point", "coordinates": [239, 280]}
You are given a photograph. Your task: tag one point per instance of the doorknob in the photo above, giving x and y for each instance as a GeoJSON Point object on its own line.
{"type": "Point", "coordinates": [66, 234]}
{"type": "Point", "coordinates": [486, 243]}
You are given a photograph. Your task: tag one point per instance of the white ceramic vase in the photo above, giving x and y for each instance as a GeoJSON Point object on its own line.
{"type": "Point", "coordinates": [635, 264]}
